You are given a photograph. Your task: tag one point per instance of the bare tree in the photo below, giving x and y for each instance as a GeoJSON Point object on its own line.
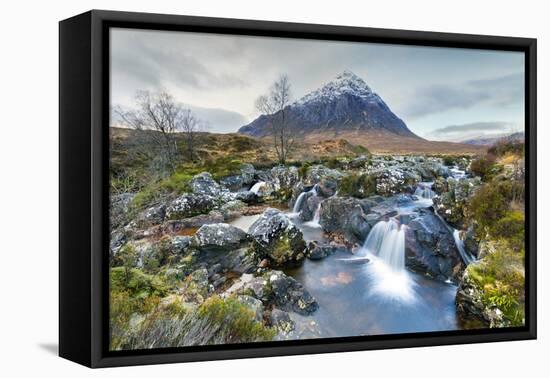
{"type": "Point", "coordinates": [160, 116]}
{"type": "Point", "coordinates": [190, 126]}
{"type": "Point", "coordinates": [275, 106]}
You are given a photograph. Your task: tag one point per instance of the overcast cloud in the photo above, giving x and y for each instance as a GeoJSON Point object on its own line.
{"type": "Point", "coordinates": [219, 77]}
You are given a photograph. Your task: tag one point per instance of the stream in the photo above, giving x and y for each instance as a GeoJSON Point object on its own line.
{"type": "Point", "coordinates": [371, 292]}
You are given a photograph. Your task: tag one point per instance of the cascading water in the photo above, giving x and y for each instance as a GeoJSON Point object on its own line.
{"type": "Point", "coordinates": [301, 198]}
{"type": "Point", "coordinates": [257, 186]}
{"type": "Point", "coordinates": [466, 257]}
{"type": "Point", "coordinates": [387, 241]}
{"type": "Point", "coordinates": [424, 191]}
{"type": "Point", "coordinates": [316, 217]}
{"type": "Point", "coordinates": [386, 245]}
{"type": "Point", "coordinates": [457, 173]}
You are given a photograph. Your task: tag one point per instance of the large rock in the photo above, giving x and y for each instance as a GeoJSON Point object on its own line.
{"type": "Point", "coordinates": [178, 225]}
{"type": "Point", "coordinates": [285, 177]}
{"type": "Point", "coordinates": [219, 237]}
{"type": "Point", "coordinates": [318, 251]}
{"type": "Point", "coordinates": [253, 304]}
{"type": "Point", "coordinates": [276, 238]}
{"type": "Point", "coordinates": [470, 306]}
{"type": "Point", "coordinates": [430, 248]}
{"type": "Point", "coordinates": [310, 206]}
{"type": "Point", "coordinates": [326, 179]}
{"type": "Point", "coordinates": [191, 204]}
{"type": "Point", "coordinates": [281, 321]}
{"type": "Point", "coordinates": [150, 254]}
{"type": "Point", "coordinates": [346, 216]}
{"type": "Point", "coordinates": [274, 288]}
{"type": "Point", "coordinates": [432, 168]}
{"type": "Point", "coordinates": [203, 183]}
{"type": "Point", "coordinates": [119, 206]}
{"type": "Point", "coordinates": [452, 203]}
{"type": "Point", "coordinates": [151, 216]}
{"type": "Point", "coordinates": [241, 180]}
{"type": "Point", "coordinates": [391, 181]}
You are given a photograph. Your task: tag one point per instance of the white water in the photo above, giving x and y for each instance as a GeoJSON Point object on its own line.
{"type": "Point", "coordinates": [457, 173]}
{"type": "Point", "coordinates": [316, 217]}
{"type": "Point", "coordinates": [385, 245]}
{"type": "Point", "coordinates": [386, 240]}
{"type": "Point", "coordinates": [466, 257]}
{"type": "Point", "coordinates": [257, 186]}
{"type": "Point", "coordinates": [301, 198]}
{"type": "Point", "coordinates": [424, 191]}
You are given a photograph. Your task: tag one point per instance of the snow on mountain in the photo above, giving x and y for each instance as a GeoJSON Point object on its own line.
{"type": "Point", "coordinates": [344, 104]}
{"type": "Point", "coordinates": [346, 83]}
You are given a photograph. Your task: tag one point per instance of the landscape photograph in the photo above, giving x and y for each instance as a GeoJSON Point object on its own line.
{"type": "Point", "coordinates": [267, 189]}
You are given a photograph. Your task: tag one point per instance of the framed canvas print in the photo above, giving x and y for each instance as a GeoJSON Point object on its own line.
{"type": "Point", "coordinates": [233, 188]}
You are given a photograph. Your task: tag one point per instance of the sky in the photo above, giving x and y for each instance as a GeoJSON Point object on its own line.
{"type": "Point", "coordinates": [440, 93]}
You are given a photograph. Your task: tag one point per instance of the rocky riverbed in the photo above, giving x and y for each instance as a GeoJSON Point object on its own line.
{"type": "Point", "coordinates": [374, 245]}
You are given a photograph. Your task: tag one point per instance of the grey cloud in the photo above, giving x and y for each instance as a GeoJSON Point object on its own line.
{"type": "Point", "coordinates": [156, 61]}
{"type": "Point", "coordinates": [219, 120]}
{"type": "Point", "coordinates": [500, 91]}
{"type": "Point", "coordinates": [475, 126]}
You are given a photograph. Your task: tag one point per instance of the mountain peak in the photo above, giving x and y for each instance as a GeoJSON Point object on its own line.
{"type": "Point", "coordinates": [345, 104]}
{"type": "Point", "coordinates": [345, 83]}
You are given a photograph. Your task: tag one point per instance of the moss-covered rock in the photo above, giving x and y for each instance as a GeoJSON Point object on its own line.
{"type": "Point", "coordinates": [277, 238]}
{"type": "Point", "coordinates": [492, 290]}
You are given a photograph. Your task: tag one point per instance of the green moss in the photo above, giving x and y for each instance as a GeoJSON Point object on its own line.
{"type": "Point", "coordinates": [358, 185]}
{"type": "Point", "coordinates": [136, 283]}
{"type": "Point", "coordinates": [235, 319]}
{"type": "Point", "coordinates": [304, 170]}
{"type": "Point", "coordinates": [500, 277]}
{"type": "Point", "coordinates": [281, 250]}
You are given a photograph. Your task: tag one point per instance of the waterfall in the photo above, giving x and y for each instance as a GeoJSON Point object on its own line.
{"type": "Point", "coordinates": [256, 187]}
{"type": "Point", "coordinates": [387, 241]}
{"type": "Point", "coordinates": [424, 192]}
{"type": "Point", "coordinates": [316, 217]}
{"type": "Point", "coordinates": [391, 281]}
{"type": "Point", "coordinates": [466, 257]}
{"type": "Point", "coordinates": [457, 173]}
{"type": "Point", "coordinates": [301, 198]}
{"type": "Point", "coordinates": [299, 201]}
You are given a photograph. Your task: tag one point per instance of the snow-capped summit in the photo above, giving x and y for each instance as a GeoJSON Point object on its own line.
{"type": "Point", "coordinates": [345, 83]}
{"type": "Point", "coordinates": [344, 104]}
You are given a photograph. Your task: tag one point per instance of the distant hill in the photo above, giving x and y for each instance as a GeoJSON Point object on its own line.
{"type": "Point", "coordinates": [489, 141]}
{"type": "Point", "coordinates": [347, 108]}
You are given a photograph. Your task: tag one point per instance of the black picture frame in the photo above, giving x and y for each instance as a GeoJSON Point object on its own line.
{"type": "Point", "coordinates": [83, 181]}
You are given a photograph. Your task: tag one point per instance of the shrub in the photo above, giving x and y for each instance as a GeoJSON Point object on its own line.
{"type": "Point", "coordinates": [216, 321]}
{"type": "Point", "coordinates": [483, 166]}
{"type": "Point", "coordinates": [449, 160]}
{"type": "Point", "coordinates": [303, 170]}
{"type": "Point", "coordinates": [234, 319]}
{"type": "Point", "coordinates": [507, 147]}
{"type": "Point", "coordinates": [136, 282]}
{"type": "Point", "coordinates": [511, 227]}
{"type": "Point", "coordinates": [500, 276]}
{"type": "Point", "coordinates": [358, 185]}
{"type": "Point", "coordinates": [488, 205]}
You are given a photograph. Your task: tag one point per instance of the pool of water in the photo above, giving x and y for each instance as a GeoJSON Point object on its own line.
{"type": "Point", "coordinates": [369, 298]}
{"type": "Point", "coordinates": [364, 296]}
